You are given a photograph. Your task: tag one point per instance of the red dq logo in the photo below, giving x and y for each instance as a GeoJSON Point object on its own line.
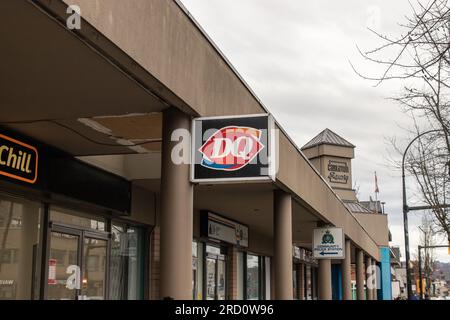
{"type": "Point", "coordinates": [231, 148]}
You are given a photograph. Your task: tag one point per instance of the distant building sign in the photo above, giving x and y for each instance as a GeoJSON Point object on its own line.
{"type": "Point", "coordinates": [296, 252]}
{"type": "Point", "coordinates": [18, 160]}
{"type": "Point", "coordinates": [216, 227]}
{"type": "Point", "coordinates": [338, 171]}
{"type": "Point", "coordinates": [233, 149]}
{"type": "Point", "coordinates": [328, 243]}
{"type": "Point", "coordinates": [303, 255]}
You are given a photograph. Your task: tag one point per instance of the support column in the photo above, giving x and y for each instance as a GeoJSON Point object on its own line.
{"type": "Point", "coordinates": [360, 275]}
{"type": "Point", "coordinates": [176, 212]}
{"type": "Point", "coordinates": [314, 284]}
{"type": "Point", "coordinates": [325, 292]}
{"type": "Point", "coordinates": [347, 273]}
{"type": "Point", "coordinates": [369, 289]}
{"type": "Point", "coordinates": [282, 245]}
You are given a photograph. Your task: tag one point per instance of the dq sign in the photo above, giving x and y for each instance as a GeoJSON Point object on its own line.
{"type": "Point", "coordinates": [233, 148]}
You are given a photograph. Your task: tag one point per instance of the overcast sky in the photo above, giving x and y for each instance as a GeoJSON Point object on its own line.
{"type": "Point", "coordinates": [295, 56]}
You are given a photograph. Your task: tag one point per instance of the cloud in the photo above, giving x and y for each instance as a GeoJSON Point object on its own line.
{"type": "Point", "coordinates": [295, 56]}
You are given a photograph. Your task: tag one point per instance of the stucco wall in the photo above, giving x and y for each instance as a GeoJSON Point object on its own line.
{"type": "Point", "coordinates": [257, 242]}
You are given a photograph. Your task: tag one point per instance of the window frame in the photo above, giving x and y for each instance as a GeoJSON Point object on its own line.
{"type": "Point", "coordinates": [38, 285]}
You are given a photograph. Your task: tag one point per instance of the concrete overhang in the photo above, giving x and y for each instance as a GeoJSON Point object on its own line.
{"type": "Point", "coordinates": [249, 204]}
{"type": "Point", "coordinates": [51, 80]}
{"type": "Point", "coordinates": [130, 59]}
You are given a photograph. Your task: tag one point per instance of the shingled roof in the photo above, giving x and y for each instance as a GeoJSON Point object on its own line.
{"type": "Point", "coordinates": [327, 137]}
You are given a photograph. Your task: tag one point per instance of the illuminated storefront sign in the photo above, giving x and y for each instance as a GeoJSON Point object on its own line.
{"type": "Point", "coordinates": [216, 227]}
{"type": "Point", "coordinates": [338, 172]}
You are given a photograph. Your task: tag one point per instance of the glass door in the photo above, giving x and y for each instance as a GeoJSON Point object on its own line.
{"type": "Point", "coordinates": [210, 278]}
{"type": "Point", "coordinates": [221, 282]}
{"type": "Point", "coordinates": [309, 278]}
{"type": "Point", "coordinates": [215, 277]}
{"type": "Point", "coordinates": [94, 268]}
{"type": "Point", "coordinates": [77, 265]}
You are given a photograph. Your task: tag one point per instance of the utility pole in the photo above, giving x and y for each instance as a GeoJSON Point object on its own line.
{"type": "Point", "coordinates": [406, 210]}
{"type": "Point", "coordinates": [419, 249]}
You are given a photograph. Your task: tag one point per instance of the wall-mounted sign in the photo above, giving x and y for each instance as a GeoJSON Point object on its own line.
{"type": "Point", "coordinates": [303, 255]}
{"type": "Point", "coordinates": [51, 271]}
{"type": "Point", "coordinates": [233, 149]}
{"type": "Point", "coordinates": [217, 227]}
{"type": "Point", "coordinates": [328, 243]}
{"type": "Point", "coordinates": [338, 171]}
{"type": "Point", "coordinates": [18, 160]}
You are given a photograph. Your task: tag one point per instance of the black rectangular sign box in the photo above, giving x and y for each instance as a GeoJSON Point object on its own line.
{"type": "Point", "coordinates": [237, 148]}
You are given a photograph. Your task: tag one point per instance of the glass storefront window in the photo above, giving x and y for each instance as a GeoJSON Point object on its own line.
{"type": "Point", "coordinates": [93, 283]}
{"type": "Point", "coordinates": [61, 247]}
{"type": "Point", "coordinates": [221, 276]}
{"type": "Point", "coordinates": [75, 218]}
{"type": "Point", "coordinates": [315, 284]}
{"type": "Point", "coordinates": [89, 257]}
{"type": "Point", "coordinates": [267, 277]}
{"type": "Point", "coordinates": [126, 263]}
{"type": "Point", "coordinates": [210, 279]}
{"type": "Point", "coordinates": [19, 248]}
{"type": "Point", "coordinates": [240, 276]}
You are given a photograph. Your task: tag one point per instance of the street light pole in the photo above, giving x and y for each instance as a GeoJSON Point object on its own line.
{"type": "Point", "coordinates": [420, 272]}
{"type": "Point", "coordinates": [406, 209]}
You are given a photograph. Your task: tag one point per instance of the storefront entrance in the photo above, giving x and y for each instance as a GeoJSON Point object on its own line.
{"type": "Point", "coordinates": [77, 264]}
{"type": "Point", "coordinates": [215, 274]}
{"type": "Point", "coordinates": [72, 234]}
